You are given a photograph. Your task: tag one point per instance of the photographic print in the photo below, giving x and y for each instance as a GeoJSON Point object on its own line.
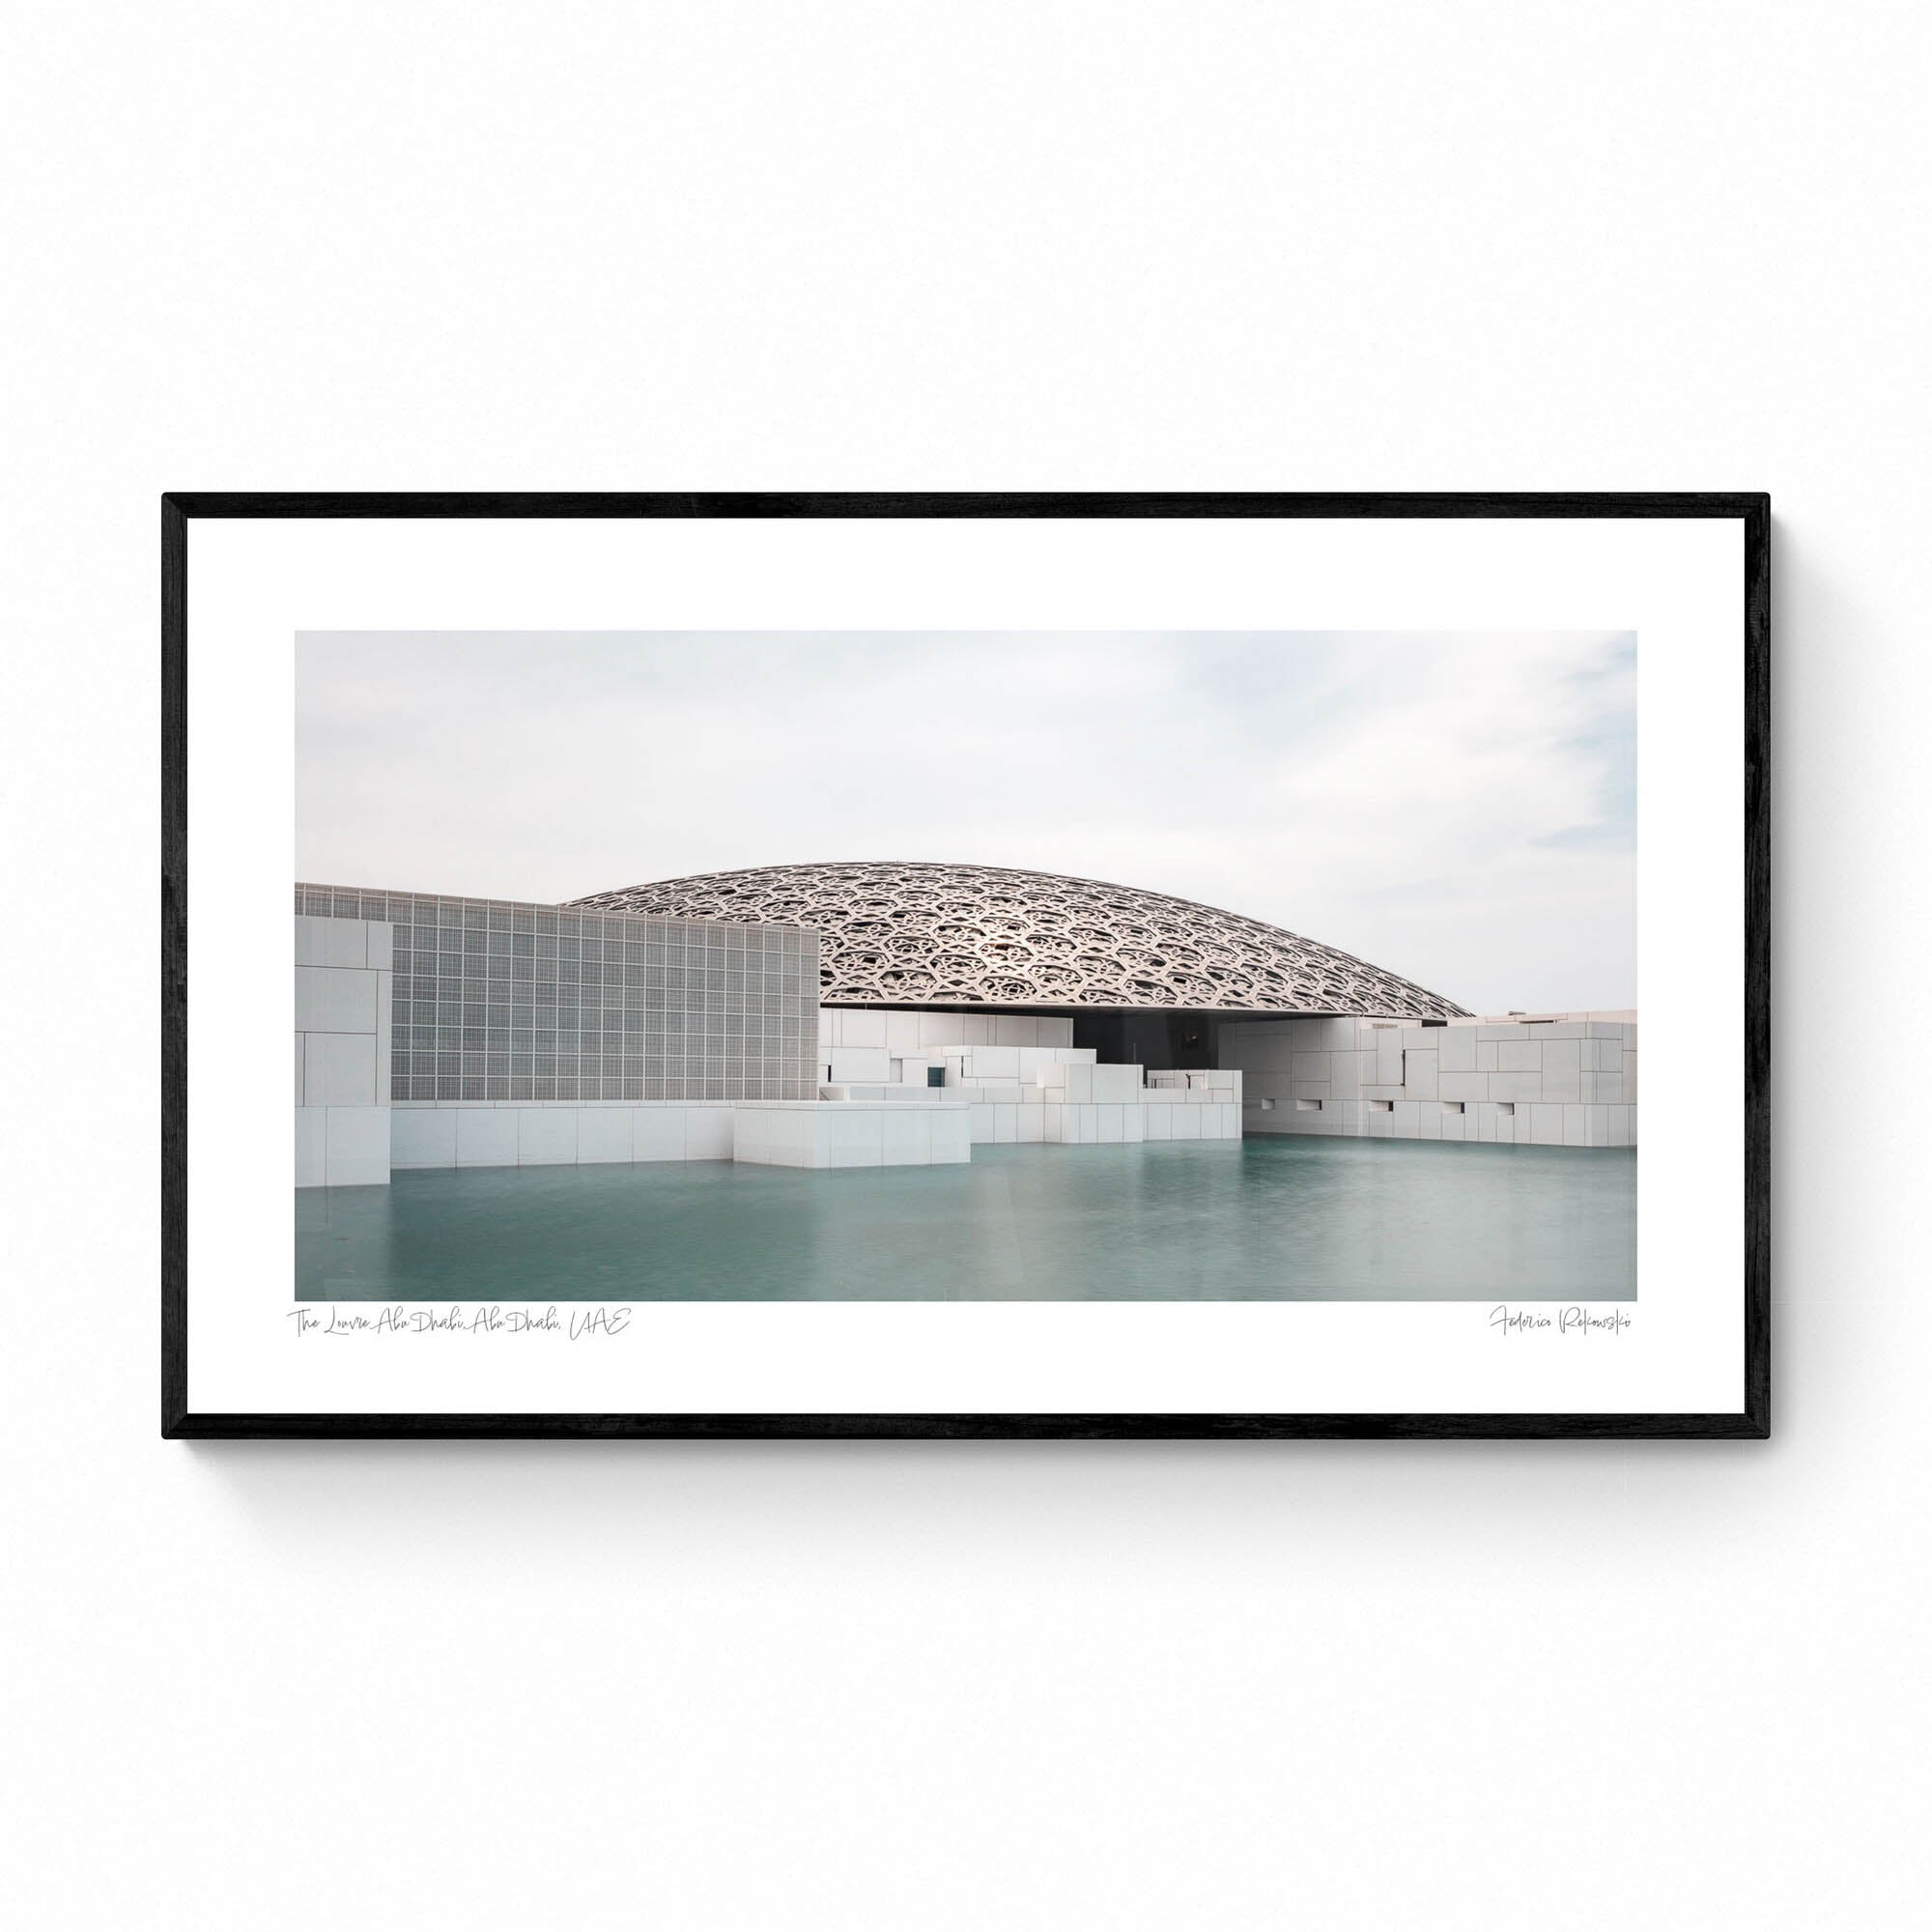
{"type": "Point", "coordinates": [922, 996]}
{"type": "Point", "coordinates": [1059, 1028]}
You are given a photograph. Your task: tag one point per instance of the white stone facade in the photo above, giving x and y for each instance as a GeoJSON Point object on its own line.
{"type": "Point", "coordinates": [344, 986]}
{"type": "Point", "coordinates": [1022, 1077]}
{"type": "Point", "coordinates": [1542, 1080]}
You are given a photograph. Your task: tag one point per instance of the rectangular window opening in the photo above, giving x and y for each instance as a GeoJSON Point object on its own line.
{"type": "Point", "coordinates": [1505, 1106]}
{"type": "Point", "coordinates": [1452, 1106]}
{"type": "Point", "coordinates": [1300, 1106]}
{"type": "Point", "coordinates": [1381, 1106]}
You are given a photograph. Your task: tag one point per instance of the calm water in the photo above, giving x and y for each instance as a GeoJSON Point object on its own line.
{"type": "Point", "coordinates": [1289, 1218]}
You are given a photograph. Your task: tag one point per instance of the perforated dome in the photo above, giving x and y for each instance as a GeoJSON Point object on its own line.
{"type": "Point", "coordinates": [919, 934]}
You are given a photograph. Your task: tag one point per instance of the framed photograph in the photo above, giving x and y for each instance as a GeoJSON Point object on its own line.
{"type": "Point", "coordinates": [965, 965]}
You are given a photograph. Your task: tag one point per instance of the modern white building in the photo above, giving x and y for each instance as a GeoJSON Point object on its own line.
{"type": "Point", "coordinates": [885, 1014]}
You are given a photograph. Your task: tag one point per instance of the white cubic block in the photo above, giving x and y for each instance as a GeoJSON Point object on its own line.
{"type": "Point", "coordinates": [1456, 1046]}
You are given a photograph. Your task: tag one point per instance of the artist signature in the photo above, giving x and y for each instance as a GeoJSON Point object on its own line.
{"type": "Point", "coordinates": [1509, 1321]}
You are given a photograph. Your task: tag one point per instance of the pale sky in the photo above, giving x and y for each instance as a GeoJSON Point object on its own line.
{"type": "Point", "coordinates": [1458, 808]}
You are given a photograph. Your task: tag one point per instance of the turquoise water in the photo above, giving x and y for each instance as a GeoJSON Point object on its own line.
{"type": "Point", "coordinates": [1278, 1218]}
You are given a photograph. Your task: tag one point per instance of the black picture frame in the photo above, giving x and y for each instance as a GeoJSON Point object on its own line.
{"type": "Point", "coordinates": [1752, 509]}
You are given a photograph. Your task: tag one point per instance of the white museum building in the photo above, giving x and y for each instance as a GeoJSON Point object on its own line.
{"type": "Point", "coordinates": [886, 1014]}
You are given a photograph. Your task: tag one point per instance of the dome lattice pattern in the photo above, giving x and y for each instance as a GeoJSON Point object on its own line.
{"type": "Point", "coordinates": [923, 934]}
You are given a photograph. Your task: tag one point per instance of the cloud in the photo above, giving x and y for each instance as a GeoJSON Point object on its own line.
{"type": "Point", "coordinates": [1457, 807]}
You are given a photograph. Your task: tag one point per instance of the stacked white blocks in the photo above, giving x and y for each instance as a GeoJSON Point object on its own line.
{"type": "Point", "coordinates": [344, 986]}
{"type": "Point", "coordinates": [1565, 1080]}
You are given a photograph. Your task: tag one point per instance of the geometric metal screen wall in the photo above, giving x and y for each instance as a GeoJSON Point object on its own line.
{"type": "Point", "coordinates": [506, 999]}
{"type": "Point", "coordinates": [985, 935]}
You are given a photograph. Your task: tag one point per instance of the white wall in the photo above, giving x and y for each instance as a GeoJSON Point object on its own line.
{"type": "Point", "coordinates": [344, 984]}
{"type": "Point", "coordinates": [1565, 1080]}
{"type": "Point", "coordinates": [1122, 246]}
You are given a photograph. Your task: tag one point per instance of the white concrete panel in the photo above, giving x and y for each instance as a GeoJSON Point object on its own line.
{"type": "Point", "coordinates": [862, 1029]}
{"type": "Point", "coordinates": [859, 1064]}
{"type": "Point", "coordinates": [1419, 1072]}
{"type": "Point", "coordinates": [386, 1000]}
{"type": "Point", "coordinates": [605, 1134]}
{"type": "Point", "coordinates": [657, 1133]}
{"type": "Point", "coordinates": [1114, 1085]}
{"type": "Point", "coordinates": [951, 1141]}
{"type": "Point", "coordinates": [335, 999]}
{"type": "Point", "coordinates": [357, 1144]}
{"type": "Point", "coordinates": [1517, 1087]}
{"type": "Point", "coordinates": [980, 1116]}
{"type": "Point", "coordinates": [902, 1033]}
{"type": "Point", "coordinates": [342, 941]}
{"type": "Point", "coordinates": [1562, 1056]}
{"type": "Point", "coordinates": [906, 1138]}
{"type": "Point", "coordinates": [486, 1137]}
{"type": "Point", "coordinates": [546, 1136]}
{"type": "Point", "coordinates": [1546, 1126]}
{"type": "Point", "coordinates": [423, 1137]}
{"type": "Point", "coordinates": [299, 1055]}
{"type": "Point", "coordinates": [1518, 1056]}
{"type": "Point", "coordinates": [1457, 1047]}
{"type": "Point", "coordinates": [1028, 1123]}
{"type": "Point", "coordinates": [381, 941]}
{"type": "Point", "coordinates": [707, 1133]}
{"type": "Point", "coordinates": [311, 1147]}
{"type": "Point", "coordinates": [339, 1070]}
